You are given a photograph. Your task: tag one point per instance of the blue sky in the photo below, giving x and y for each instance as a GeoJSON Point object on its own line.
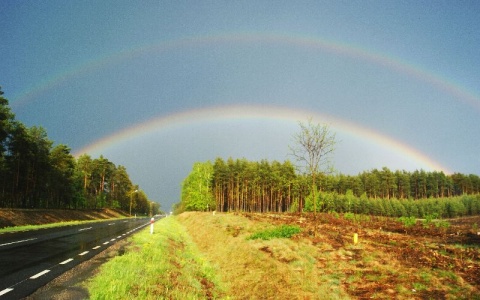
{"type": "Point", "coordinates": [405, 70]}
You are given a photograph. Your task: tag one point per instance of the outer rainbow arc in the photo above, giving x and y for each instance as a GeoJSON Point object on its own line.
{"type": "Point", "coordinates": [295, 40]}
{"type": "Point", "coordinates": [219, 113]}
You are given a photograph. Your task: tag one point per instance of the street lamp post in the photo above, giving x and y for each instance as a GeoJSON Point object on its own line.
{"type": "Point", "coordinates": [131, 200]}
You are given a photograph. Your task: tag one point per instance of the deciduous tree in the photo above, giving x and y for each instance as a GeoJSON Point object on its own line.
{"type": "Point", "coordinates": [313, 146]}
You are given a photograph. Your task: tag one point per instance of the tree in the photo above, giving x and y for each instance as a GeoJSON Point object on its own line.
{"type": "Point", "coordinates": [196, 188]}
{"type": "Point", "coordinates": [62, 176]}
{"type": "Point", "coordinates": [313, 146]}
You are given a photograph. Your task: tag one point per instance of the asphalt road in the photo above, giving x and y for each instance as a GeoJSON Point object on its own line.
{"type": "Point", "coordinates": [31, 259]}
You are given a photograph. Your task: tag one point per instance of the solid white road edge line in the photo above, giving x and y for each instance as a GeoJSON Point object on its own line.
{"type": "Point", "coordinates": [39, 274]}
{"type": "Point", "coordinates": [17, 242]}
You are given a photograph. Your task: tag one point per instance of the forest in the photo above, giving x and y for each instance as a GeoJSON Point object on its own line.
{"type": "Point", "coordinates": [35, 173]}
{"type": "Point", "coordinates": [242, 185]}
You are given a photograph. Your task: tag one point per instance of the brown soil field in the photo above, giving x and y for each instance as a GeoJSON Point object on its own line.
{"type": "Point", "coordinates": [452, 250]}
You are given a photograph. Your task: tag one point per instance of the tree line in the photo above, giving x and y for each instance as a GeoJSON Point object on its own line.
{"type": "Point", "coordinates": [242, 185]}
{"type": "Point", "coordinates": [35, 173]}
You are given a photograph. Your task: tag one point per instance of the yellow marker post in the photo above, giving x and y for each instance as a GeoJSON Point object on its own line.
{"type": "Point", "coordinates": [355, 238]}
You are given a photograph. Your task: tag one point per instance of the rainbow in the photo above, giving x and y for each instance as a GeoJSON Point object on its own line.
{"type": "Point", "coordinates": [244, 112]}
{"type": "Point", "coordinates": [312, 43]}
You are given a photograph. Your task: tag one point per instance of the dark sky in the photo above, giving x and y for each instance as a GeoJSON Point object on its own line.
{"type": "Point", "coordinates": [158, 85]}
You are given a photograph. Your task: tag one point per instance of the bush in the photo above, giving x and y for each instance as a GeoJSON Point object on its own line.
{"type": "Point", "coordinates": [408, 221]}
{"type": "Point", "coordinates": [349, 216]}
{"type": "Point", "coordinates": [284, 231]}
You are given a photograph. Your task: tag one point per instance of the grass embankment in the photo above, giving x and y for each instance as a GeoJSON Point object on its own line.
{"type": "Point", "coordinates": [277, 268]}
{"type": "Point", "coordinates": [163, 265]}
{"type": "Point", "coordinates": [31, 219]}
{"type": "Point", "coordinates": [44, 226]}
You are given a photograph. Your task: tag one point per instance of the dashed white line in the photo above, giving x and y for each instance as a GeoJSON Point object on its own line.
{"type": "Point", "coordinates": [82, 229]}
{"type": "Point", "coordinates": [112, 240]}
{"type": "Point", "coordinates": [5, 291]}
{"type": "Point", "coordinates": [96, 247]}
{"type": "Point", "coordinates": [66, 261]}
{"type": "Point", "coordinates": [119, 237]}
{"type": "Point", "coordinates": [83, 253]}
{"type": "Point", "coordinates": [106, 243]}
{"type": "Point", "coordinates": [39, 274]}
{"type": "Point", "coordinates": [17, 242]}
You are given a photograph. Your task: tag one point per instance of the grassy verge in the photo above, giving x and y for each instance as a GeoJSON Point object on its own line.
{"type": "Point", "coordinates": [50, 225]}
{"type": "Point", "coordinates": [163, 265]}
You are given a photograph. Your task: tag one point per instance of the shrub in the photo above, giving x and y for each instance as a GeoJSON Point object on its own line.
{"type": "Point", "coordinates": [408, 221]}
{"type": "Point", "coordinates": [284, 231]}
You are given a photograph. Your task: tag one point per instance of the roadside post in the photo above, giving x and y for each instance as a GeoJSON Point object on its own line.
{"type": "Point", "coordinates": [152, 220]}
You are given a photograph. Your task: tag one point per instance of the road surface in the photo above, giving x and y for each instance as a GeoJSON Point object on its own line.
{"type": "Point", "coordinates": [30, 259]}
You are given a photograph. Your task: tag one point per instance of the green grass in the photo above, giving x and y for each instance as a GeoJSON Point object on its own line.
{"type": "Point", "coordinates": [284, 231]}
{"type": "Point", "coordinates": [163, 265]}
{"type": "Point", "coordinates": [51, 225]}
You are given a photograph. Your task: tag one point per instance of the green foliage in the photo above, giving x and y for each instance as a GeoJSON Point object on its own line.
{"type": "Point", "coordinates": [408, 221]}
{"type": "Point", "coordinates": [349, 216]}
{"type": "Point", "coordinates": [36, 174]}
{"type": "Point", "coordinates": [196, 188]}
{"type": "Point", "coordinates": [262, 186]}
{"type": "Point", "coordinates": [442, 224]}
{"type": "Point", "coordinates": [428, 219]}
{"type": "Point", "coordinates": [284, 231]}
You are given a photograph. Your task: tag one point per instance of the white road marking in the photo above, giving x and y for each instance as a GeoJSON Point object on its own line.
{"type": "Point", "coordinates": [5, 291]}
{"type": "Point", "coordinates": [66, 261]}
{"type": "Point", "coordinates": [118, 237]}
{"type": "Point", "coordinates": [83, 253]}
{"type": "Point", "coordinates": [112, 240]}
{"type": "Point", "coordinates": [106, 243]}
{"type": "Point", "coordinates": [82, 229]}
{"type": "Point", "coordinates": [17, 242]}
{"type": "Point", "coordinates": [96, 247]}
{"type": "Point", "coordinates": [111, 224]}
{"type": "Point", "coordinates": [39, 274]}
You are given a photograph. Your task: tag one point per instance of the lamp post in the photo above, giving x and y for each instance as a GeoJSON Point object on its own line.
{"type": "Point", "coordinates": [131, 200]}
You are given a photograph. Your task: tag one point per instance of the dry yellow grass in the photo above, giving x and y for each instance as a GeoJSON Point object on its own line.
{"type": "Point", "coordinates": [275, 269]}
